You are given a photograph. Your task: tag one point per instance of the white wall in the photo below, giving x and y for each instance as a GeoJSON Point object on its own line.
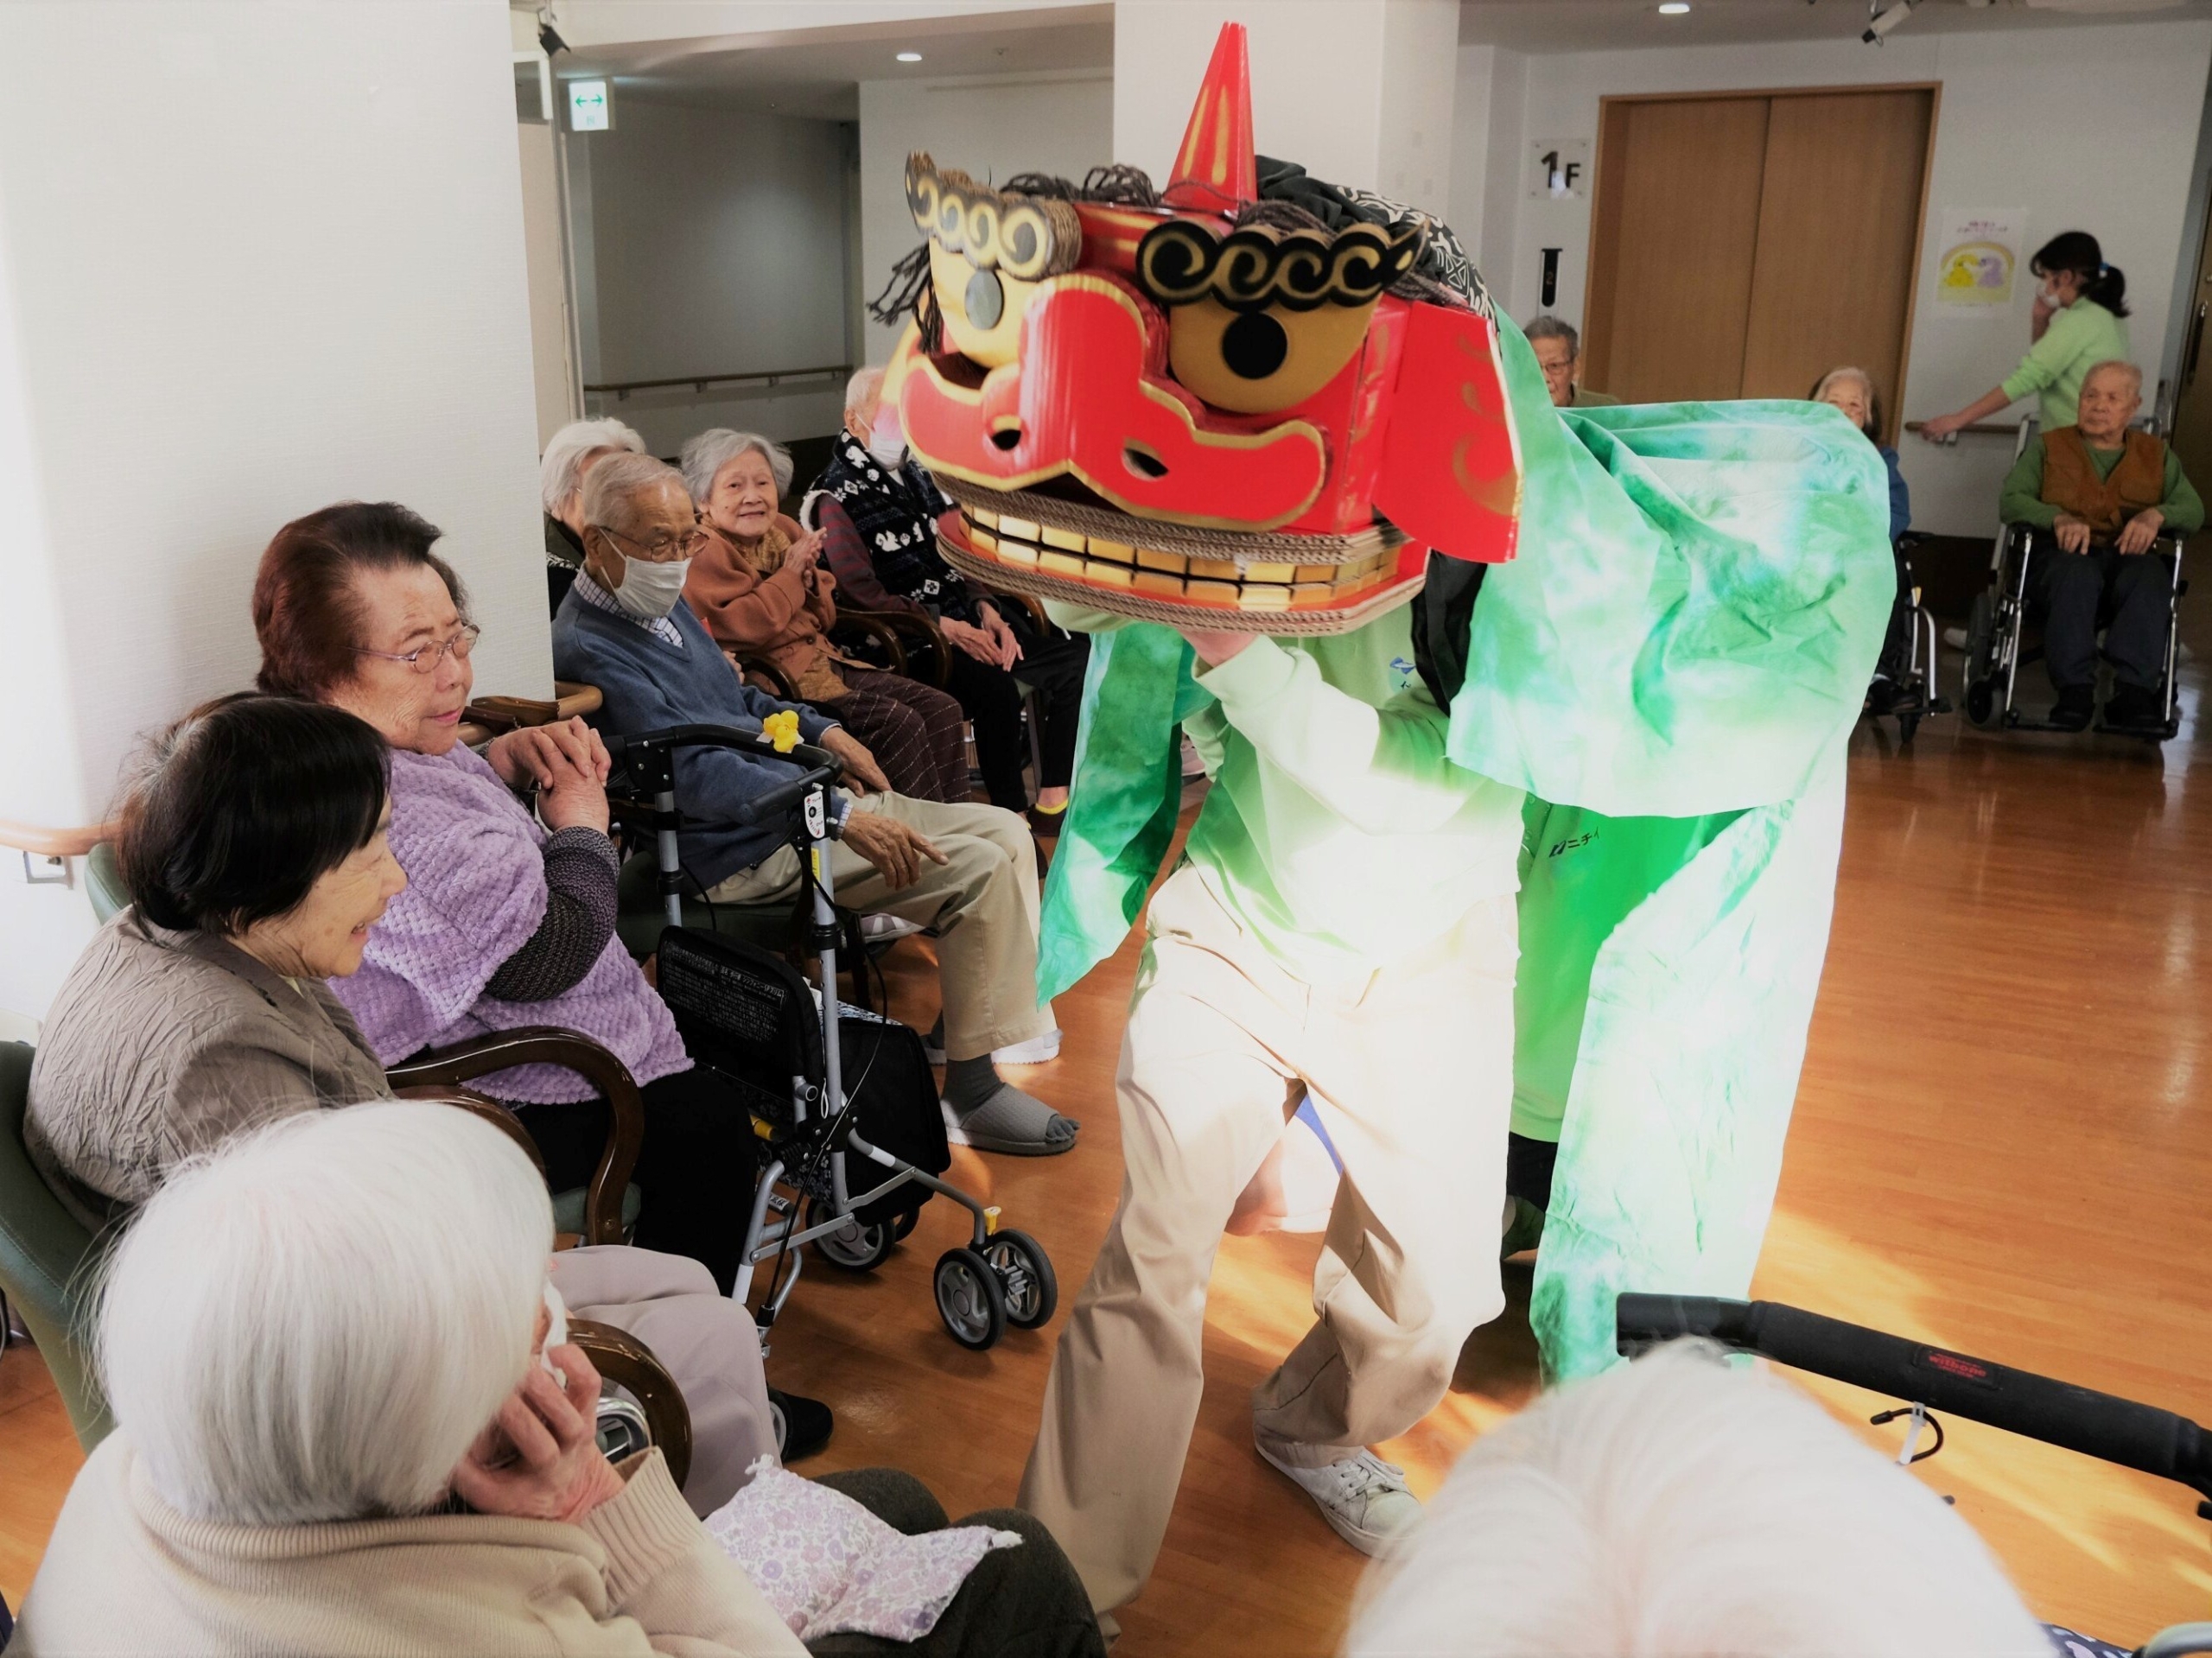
{"type": "Point", "coordinates": [276, 262]}
{"type": "Point", "coordinates": [716, 243]}
{"type": "Point", "coordinates": [2007, 103]}
{"type": "Point", "coordinates": [990, 129]}
{"type": "Point", "coordinates": [1357, 91]}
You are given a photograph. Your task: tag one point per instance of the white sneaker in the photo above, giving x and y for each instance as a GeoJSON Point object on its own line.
{"type": "Point", "coordinates": [1035, 1052]}
{"type": "Point", "coordinates": [1364, 1498]}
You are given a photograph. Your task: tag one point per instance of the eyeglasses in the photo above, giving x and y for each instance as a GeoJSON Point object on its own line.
{"type": "Point", "coordinates": [424, 659]}
{"type": "Point", "coordinates": [685, 544]}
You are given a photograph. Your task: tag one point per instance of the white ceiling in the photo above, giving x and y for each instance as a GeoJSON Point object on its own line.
{"type": "Point", "coordinates": [1587, 25]}
{"type": "Point", "coordinates": [816, 73]}
{"type": "Point", "coordinates": [819, 77]}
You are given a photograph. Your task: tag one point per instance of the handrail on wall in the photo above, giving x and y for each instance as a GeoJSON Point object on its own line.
{"type": "Point", "coordinates": [622, 389]}
{"type": "Point", "coordinates": [54, 842]}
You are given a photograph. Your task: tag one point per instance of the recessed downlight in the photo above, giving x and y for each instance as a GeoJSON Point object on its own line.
{"type": "Point", "coordinates": [915, 57]}
{"type": "Point", "coordinates": [1674, 8]}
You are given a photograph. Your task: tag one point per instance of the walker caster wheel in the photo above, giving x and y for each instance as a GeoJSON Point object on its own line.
{"type": "Point", "coordinates": [1907, 724]}
{"type": "Point", "coordinates": [1025, 1273]}
{"type": "Point", "coordinates": [902, 1226]}
{"type": "Point", "coordinates": [969, 1300]}
{"type": "Point", "coordinates": [854, 1248]}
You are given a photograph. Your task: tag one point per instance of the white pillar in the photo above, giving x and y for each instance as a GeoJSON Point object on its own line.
{"type": "Point", "coordinates": [1357, 92]}
{"type": "Point", "coordinates": [276, 262]}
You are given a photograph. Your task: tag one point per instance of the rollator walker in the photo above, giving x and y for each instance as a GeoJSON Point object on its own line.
{"type": "Point", "coordinates": [822, 1182]}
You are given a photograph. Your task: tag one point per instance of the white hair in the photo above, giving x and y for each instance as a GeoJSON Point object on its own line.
{"type": "Point", "coordinates": [865, 385]}
{"type": "Point", "coordinates": [1676, 1507]}
{"type": "Point", "coordinates": [314, 1321]}
{"type": "Point", "coordinates": [564, 456]}
{"type": "Point", "coordinates": [609, 485]}
{"type": "Point", "coordinates": [2118, 365]}
{"type": "Point", "coordinates": [705, 455]}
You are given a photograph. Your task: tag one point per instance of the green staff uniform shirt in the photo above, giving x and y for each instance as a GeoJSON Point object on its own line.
{"type": "Point", "coordinates": [2019, 498]}
{"type": "Point", "coordinates": [2079, 338]}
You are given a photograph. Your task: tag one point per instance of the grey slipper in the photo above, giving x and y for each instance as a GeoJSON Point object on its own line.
{"type": "Point", "coordinates": [1010, 1122]}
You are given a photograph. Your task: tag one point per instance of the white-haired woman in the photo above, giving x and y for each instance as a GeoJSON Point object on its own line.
{"type": "Point", "coordinates": [1677, 1507]}
{"type": "Point", "coordinates": [561, 472]}
{"type": "Point", "coordinates": [338, 1429]}
{"type": "Point", "coordinates": [757, 588]}
{"type": "Point", "coordinates": [346, 1423]}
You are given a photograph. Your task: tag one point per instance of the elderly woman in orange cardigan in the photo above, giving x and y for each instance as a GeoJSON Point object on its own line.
{"type": "Point", "coordinates": [756, 589]}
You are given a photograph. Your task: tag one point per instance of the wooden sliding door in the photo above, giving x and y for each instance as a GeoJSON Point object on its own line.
{"type": "Point", "coordinates": [1743, 244]}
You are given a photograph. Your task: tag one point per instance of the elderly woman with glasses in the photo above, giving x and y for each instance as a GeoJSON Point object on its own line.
{"type": "Point", "coordinates": [757, 588]}
{"type": "Point", "coordinates": [508, 917]}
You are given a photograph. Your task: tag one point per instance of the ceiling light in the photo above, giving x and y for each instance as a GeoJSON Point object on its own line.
{"type": "Point", "coordinates": [915, 57]}
{"type": "Point", "coordinates": [1674, 8]}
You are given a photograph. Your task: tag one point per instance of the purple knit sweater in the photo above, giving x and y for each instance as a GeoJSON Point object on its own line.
{"type": "Point", "coordinates": [475, 891]}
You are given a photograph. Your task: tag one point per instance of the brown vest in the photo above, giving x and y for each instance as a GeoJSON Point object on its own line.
{"type": "Point", "coordinates": [2070, 481]}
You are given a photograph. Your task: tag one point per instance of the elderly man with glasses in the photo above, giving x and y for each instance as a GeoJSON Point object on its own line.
{"type": "Point", "coordinates": [968, 871]}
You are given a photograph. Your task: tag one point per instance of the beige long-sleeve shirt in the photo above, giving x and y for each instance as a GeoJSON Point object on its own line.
{"type": "Point", "coordinates": [127, 1574]}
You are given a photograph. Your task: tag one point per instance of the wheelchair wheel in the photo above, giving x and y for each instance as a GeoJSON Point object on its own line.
{"type": "Point", "coordinates": [969, 1300]}
{"type": "Point", "coordinates": [1981, 701]}
{"type": "Point", "coordinates": [1024, 1274]}
{"type": "Point", "coordinates": [853, 1247]}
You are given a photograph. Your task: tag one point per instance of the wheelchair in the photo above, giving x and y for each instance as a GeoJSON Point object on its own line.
{"type": "Point", "coordinates": [1909, 654]}
{"type": "Point", "coordinates": [2099, 1425]}
{"type": "Point", "coordinates": [1997, 646]}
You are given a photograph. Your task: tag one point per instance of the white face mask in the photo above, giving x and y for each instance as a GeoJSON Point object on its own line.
{"type": "Point", "coordinates": [888, 443]}
{"type": "Point", "coordinates": [650, 591]}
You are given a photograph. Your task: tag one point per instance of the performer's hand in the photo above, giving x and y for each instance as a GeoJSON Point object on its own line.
{"type": "Point", "coordinates": [1935, 430]}
{"type": "Point", "coordinates": [2141, 530]}
{"type": "Point", "coordinates": [1215, 648]}
{"type": "Point", "coordinates": [2073, 533]}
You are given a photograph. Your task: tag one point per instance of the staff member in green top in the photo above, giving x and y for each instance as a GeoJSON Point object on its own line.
{"type": "Point", "coordinates": [2105, 493]}
{"type": "Point", "coordinates": [2077, 324]}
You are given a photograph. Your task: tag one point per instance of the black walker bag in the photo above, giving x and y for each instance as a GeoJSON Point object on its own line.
{"type": "Point", "coordinates": [751, 1018]}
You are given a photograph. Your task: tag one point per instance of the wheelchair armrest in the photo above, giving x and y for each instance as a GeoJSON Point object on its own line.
{"type": "Point", "coordinates": [479, 1105]}
{"type": "Point", "coordinates": [544, 1045]}
{"type": "Point", "coordinates": [631, 1365]}
{"type": "Point", "coordinates": [916, 624]}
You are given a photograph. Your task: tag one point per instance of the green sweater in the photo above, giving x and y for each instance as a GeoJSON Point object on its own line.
{"type": "Point", "coordinates": [2019, 498]}
{"type": "Point", "coordinates": [1336, 830]}
{"type": "Point", "coordinates": [2079, 338]}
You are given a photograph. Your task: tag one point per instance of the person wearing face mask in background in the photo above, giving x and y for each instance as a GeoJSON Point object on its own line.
{"type": "Point", "coordinates": [968, 871]}
{"type": "Point", "coordinates": [877, 510]}
{"type": "Point", "coordinates": [2079, 321]}
{"type": "Point", "coordinates": [759, 590]}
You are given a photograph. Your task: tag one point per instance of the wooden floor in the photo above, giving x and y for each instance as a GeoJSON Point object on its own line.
{"type": "Point", "coordinates": [2003, 1143]}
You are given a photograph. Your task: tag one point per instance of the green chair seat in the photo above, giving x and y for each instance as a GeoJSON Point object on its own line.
{"type": "Point", "coordinates": [568, 1209]}
{"type": "Point", "coordinates": [44, 1250]}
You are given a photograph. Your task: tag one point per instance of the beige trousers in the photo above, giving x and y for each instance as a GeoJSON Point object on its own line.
{"type": "Point", "coordinates": [1410, 1069]}
{"type": "Point", "coordinates": [707, 1342]}
{"type": "Point", "coordinates": [983, 904]}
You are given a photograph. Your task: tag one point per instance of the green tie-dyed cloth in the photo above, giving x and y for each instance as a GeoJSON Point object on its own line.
{"type": "Point", "coordinates": [1670, 668]}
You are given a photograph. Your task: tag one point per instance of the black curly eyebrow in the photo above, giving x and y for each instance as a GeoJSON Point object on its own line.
{"type": "Point", "coordinates": [1182, 261]}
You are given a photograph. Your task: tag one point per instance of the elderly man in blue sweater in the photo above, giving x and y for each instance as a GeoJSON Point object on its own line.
{"type": "Point", "coordinates": [968, 871]}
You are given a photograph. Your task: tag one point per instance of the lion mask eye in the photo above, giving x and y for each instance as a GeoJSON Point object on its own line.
{"type": "Point", "coordinates": [1260, 320]}
{"type": "Point", "coordinates": [988, 250]}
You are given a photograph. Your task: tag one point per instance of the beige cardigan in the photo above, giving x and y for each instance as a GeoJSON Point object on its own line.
{"type": "Point", "coordinates": [161, 1044]}
{"type": "Point", "coordinates": [126, 1574]}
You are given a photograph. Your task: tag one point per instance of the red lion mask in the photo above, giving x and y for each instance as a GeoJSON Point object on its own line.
{"type": "Point", "coordinates": [1200, 408]}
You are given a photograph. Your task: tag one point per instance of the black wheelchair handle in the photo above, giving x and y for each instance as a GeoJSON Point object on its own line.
{"type": "Point", "coordinates": [755, 741]}
{"type": "Point", "coordinates": [2075, 1419]}
{"type": "Point", "coordinates": [784, 796]}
